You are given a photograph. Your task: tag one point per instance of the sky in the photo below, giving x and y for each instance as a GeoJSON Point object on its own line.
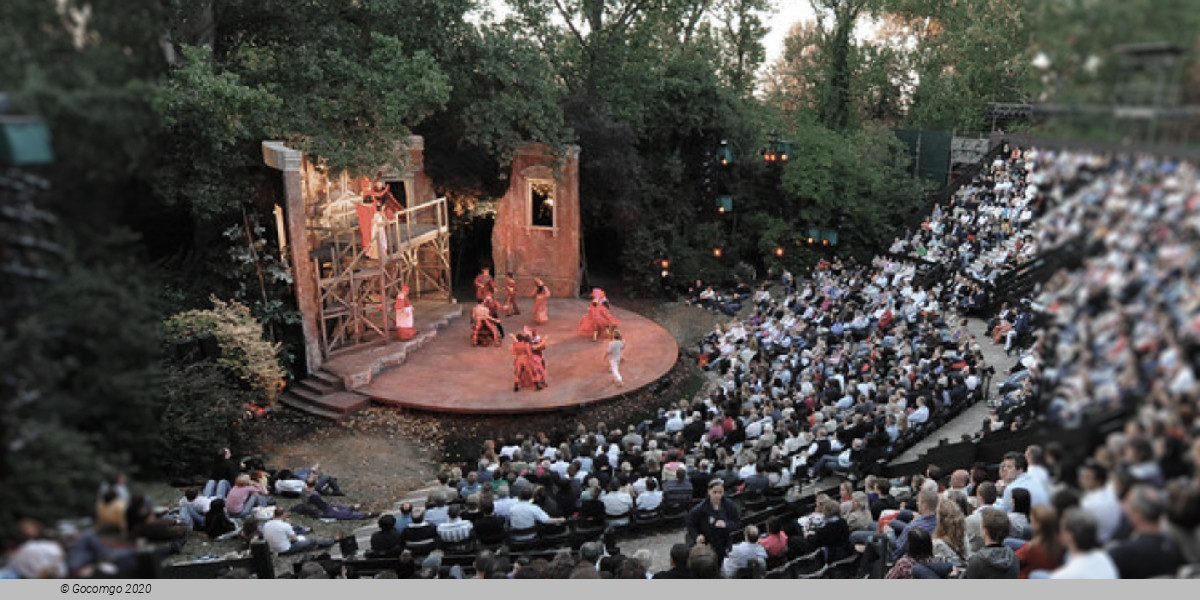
{"type": "Point", "coordinates": [788, 13]}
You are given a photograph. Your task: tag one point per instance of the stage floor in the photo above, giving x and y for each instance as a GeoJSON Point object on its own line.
{"type": "Point", "coordinates": [450, 375]}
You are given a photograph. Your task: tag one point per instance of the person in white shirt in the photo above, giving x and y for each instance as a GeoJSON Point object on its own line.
{"type": "Point", "coordinates": [617, 502]}
{"type": "Point", "coordinates": [920, 415]}
{"type": "Point", "coordinates": [1100, 500]}
{"type": "Point", "coordinates": [281, 537]}
{"type": "Point", "coordinates": [674, 422]}
{"type": "Point", "coordinates": [613, 354]}
{"type": "Point", "coordinates": [650, 499]}
{"type": "Point", "coordinates": [1087, 560]}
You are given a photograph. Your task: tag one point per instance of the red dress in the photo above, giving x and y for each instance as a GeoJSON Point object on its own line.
{"type": "Point", "coordinates": [404, 318]}
{"type": "Point", "coordinates": [510, 298]}
{"type": "Point", "coordinates": [527, 370]}
{"type": "Point", "coordinates": [597, 320]}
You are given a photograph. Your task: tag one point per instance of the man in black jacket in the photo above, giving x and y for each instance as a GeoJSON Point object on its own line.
{"type": "Point", "coordinates": [387, 542]}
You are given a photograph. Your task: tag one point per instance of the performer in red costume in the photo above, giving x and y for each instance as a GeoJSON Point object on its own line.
{"type": "Point", "coordinates": [598, 319]}
{"type": "Point", "coordinates": [541, 302]}
{"type": "Point", "coordinates": [404, 316]}
{"type": "Point", "coordinates": [527, 369]}
{"type": "Point", "coordinates": [485, 286]}
{"type": "Point", "coordinates": [484, 327]}
{"type": "Point", "coordinates": [510, 296]}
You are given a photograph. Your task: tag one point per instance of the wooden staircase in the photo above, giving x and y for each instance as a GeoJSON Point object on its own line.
{"type": "Point", "coordinates": [323, 395]}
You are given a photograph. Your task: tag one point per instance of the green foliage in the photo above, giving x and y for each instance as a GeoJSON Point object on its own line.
{"type": "Point", "coordinates": [202, 410]}
{"type": "Point", "coordinates": [54, 474]}
{"type": "Point", "coordinates": [245, 355]}
{"type": "Point", "coordinates": [860, 177]}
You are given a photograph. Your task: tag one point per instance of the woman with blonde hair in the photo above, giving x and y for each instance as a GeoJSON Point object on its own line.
{"type": "Point", "coordinates": [859, 516]}
{"type": "Point", "coordinates": [950, 536]}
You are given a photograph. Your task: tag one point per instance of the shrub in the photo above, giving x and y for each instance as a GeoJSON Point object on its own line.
{"type": "Point", "coordinates": [243, 351]}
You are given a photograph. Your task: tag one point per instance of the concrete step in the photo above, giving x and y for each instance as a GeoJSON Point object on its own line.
{"type": "Point", "coordinates": [291, 401]}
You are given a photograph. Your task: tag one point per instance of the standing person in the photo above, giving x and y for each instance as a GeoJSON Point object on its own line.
{"type": "Point", "coordinates": [526, 368]}
{"type": "Point", "coordinates": [404, 316]}
{"type": "Point", "coordinates": [541, 301]}
{"type": "Point", "coordinates": [598, 320]}
{"type": "Point", "coordinates": [613, 354]}
{"type": "Point", "coordinates": [485, 329]}
{"type": "Point", "coordinates": [510, 296]}
{"type": "Point", "coordinates": [378, 248]}
{"type": "Point", "coordinates": [714, 518]}
{"type": "Point", "coordinates": [485, 286]}
{"type": "Point", "coordinates": [537, 344]}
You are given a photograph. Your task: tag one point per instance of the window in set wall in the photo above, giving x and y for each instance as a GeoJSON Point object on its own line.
{"type": "Point", "coordinates": [541, 203]}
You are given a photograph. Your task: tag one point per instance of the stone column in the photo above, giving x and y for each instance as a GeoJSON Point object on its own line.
{"type": "Point", "coordinates": [289, 162]}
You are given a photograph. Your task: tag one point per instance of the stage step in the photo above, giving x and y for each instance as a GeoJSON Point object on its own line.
{"type": "Point", "coordinates": [318, 396]}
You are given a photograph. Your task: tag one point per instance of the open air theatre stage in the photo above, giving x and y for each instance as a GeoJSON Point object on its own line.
{"type": "Point", "coordinates": [448, 374]}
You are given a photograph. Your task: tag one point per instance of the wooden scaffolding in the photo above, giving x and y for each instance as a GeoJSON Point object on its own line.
{"type": "Point", "coordinates": [358, 284]}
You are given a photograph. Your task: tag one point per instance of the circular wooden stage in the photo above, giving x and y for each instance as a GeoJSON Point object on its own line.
{"type": "Point", "coordinates": [450, 375]}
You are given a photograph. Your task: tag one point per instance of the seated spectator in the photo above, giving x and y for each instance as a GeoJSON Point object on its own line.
{"type": "Point", "coordinates": [217, 524]}
{"type": "Point", "coordinates": [387, 542]}
{"type": "Point", "coordinates": [419, 531]}
{"type": "Point", "coordinates": [649, 499]}
{"type": "Point", "coordinates": [456, 529]}
{"type": "Point", "coordinates": [436, 509]}
{"type": "Point", "coordinates": [245, 497]}
{"type": "Point", "coordinates": [744, 553]}
{"type": "Point", "coordinates": [1043, 552]}
{"type": "Point", "coordinates": [985, 497]}
{"type": "Point", "coordinates": [469, 486]}
{"type": "Point", "coordinates": [678, 491]}
{"type": "Point", "coordinates": [526, 515]}
{"type": "Point", "coordinates": [1149, 552]}
{"type": "Point", "coordinates": [88, 557]}
{"type": "Point", "coordinates": [703, 562]}
{"type": "Point", "coordinates": [994, 560]}
{"type": "Point", "coordinates": [225, 470]}
{"type": "Point", "coordinates": [192, 509]}
{"type": "Point", "coordinates": [679, 562]}
{"type": "Point", "coordinates": [110, 514]}
{"type": "Point", "coordinates": [950, 535]}
{"type": "Point", "coordinates": [927, 501]}
{"type": "Point", "coordinates": [919, 551]}
{"type": "Point", "coordinates": [617, 503]}
{"type": "Point", "coordinates": [490, 528]}
{"type": "Point", "coordinates": [1019, 515]}
{"type": "Point", "coordinates": [775, 543]}
{"type": "Point", "coordinates": [144, 524]}
{"type": "Point", "coordinates": [858, 518]}
{"type": "Point", "coordinates": [281, 537]}
{"type": "Point", "coordinates": [117, 484]}
{"type": "Point", "coordinates": [833, 534]}
{"type": "Point", "coordinates": [1086, 559]}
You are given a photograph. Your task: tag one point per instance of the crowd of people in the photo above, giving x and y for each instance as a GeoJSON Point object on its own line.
{"type": "Point", "coordinates": [832, 373]}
